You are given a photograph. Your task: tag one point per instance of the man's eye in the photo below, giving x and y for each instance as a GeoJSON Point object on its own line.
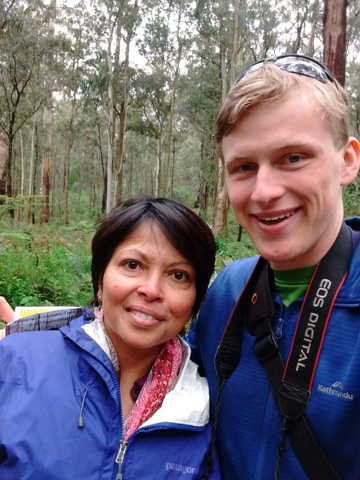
{"type": "Point", "coordinates": [246, 167]}
{"type": "Point", "coordinates": [294, 158]}
{"type": "Point", "coordinates": [241, 168]}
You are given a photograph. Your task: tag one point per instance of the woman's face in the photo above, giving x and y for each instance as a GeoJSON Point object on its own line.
{"type": "Point", "coordinates": [148, 291]}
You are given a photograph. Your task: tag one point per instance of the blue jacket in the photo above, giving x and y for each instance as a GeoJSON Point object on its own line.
{"type": "Point", "coordinates": [249, 425]}
{"type": "Point", "coordinates": [60, 415]}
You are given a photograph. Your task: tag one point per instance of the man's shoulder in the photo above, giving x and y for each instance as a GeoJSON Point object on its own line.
{"type": "Point", "coordinates": [235, 274]}
{"type": "Point", "coordinates": [228, 285]}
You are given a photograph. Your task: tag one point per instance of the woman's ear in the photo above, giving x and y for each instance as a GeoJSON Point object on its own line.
{"type": "Point", "coordinates": [99, 296]}
{"type": "Point", "coordinates": [351, 163]}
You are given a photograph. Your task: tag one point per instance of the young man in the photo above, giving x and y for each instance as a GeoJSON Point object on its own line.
{"type": "Point", "coordinates": [282, 133]}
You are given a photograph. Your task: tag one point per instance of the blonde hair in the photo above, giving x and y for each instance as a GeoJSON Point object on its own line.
{"type": "Point", "coordinates": [270, 84]}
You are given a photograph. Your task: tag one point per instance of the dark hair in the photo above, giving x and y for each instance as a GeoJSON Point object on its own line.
{"type": "Point", "coordinates": [185, 230]}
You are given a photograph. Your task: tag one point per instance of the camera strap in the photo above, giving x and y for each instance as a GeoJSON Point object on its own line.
{"type": "Point", "coordinates": [291, 383]}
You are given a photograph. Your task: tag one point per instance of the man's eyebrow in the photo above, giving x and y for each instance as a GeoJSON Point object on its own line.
{"type": "Point", "coordinates": [295, 145]}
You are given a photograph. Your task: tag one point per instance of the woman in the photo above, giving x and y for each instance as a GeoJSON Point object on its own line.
{"type": "Point", "coordinates": [116, 396]}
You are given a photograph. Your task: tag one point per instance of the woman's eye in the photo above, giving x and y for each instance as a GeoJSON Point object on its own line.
{"type": "Point", "coordinates": [131, 264]}
{"type": "Point", "coordinates": [180, 276]}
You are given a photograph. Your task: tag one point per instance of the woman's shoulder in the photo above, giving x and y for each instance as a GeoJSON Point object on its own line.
{"type": "Point", "coordinates": [31, 344]}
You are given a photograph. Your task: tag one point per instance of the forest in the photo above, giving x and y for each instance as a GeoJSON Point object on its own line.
{"type": "Point", "coordinates": [101, 100]}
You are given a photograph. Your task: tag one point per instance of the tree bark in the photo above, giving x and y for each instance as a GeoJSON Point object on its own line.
{"type": "Point", "coordinates": [120, 144]}
{"type": "Point", "coordinates": [4, 154]}
{"type": "Point", "coordinates": [45, 187]}
{"type": "Point", "coordinates": [313, 21]}
{"type": "Point", "coordinates": [334, 35]}
{"type": "Point", "coordinates": [222, 202]}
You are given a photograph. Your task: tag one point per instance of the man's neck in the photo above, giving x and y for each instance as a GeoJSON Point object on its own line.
{"type": "Point", "coordinates": [292, 284]}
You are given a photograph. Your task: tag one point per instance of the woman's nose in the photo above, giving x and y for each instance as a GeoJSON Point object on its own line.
{"type": "Point", "coordinates": [150, 287]}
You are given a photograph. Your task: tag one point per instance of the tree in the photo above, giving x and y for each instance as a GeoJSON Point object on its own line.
{"type": "Point", "coordinates": [22, 46]}
{"type": "Point", "coordinates": [335, 37]}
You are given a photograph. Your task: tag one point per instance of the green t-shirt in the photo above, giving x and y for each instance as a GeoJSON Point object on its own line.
{"type": "Point", "coordinates": [292, 284]}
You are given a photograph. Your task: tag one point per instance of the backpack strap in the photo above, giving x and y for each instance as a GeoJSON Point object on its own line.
{"type": "Point", "coordinates": [47, 320]}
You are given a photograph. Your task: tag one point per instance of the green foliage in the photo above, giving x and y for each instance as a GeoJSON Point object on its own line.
{"type": "Point", "coordinates": [184, 195]}
{"type": "Point", "coordinates": [43, 267]}
{"type": "Point", "coordinates": [351, 199]}
{"type": "Point", "coordinates": [229, 250]}
{"type": "Point", "coordinates": [20, 203]}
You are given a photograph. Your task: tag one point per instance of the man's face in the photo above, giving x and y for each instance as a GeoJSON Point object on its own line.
{"type": "Point", "coordinates": [284, 176]}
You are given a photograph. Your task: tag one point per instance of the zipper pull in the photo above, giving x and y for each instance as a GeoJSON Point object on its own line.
{"type": "Point", "coordinates": [120, 457]}
{"type": "Point", "coordinates": [279, 328]}
{"type": "Point", "coordinates": [121, 453]}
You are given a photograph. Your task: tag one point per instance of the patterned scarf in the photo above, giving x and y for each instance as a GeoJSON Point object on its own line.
{"type": "Point", "coordinates": [159, 382]}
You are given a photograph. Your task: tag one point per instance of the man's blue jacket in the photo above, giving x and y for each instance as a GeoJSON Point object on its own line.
{"type": "Point", "coordinates": [60, 415]}
{"type": "Point", "coordinates": [249, 425]}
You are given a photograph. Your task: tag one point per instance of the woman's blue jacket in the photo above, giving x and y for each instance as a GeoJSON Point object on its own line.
{"type": "Point", "coordinates": [60, 415]}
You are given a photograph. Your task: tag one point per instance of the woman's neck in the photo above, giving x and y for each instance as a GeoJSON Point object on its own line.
{"type": "Point", "coordinates": [134, 363]}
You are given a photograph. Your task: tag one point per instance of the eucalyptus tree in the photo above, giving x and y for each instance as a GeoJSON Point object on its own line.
{"type": "Point", "coordinates": [76, 56]}
{"type": "Point", "coordinates": [131, 19]}
{"type": "Point", "coordinates": [164, 44]}
{"type": "Point", "coordinates": [335, 37]}
{"type": "Point", "coordinates": [23, 44]}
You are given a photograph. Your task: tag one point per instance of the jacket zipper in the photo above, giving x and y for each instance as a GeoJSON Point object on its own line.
{"type": "Point", "coordinates": [120, 457]}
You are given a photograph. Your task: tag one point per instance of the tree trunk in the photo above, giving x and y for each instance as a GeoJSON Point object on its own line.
{"type": "Point", "coordinates": [109, 168]}
{"type": "Point", "coordinates": [313, 21]}
{"type": "Point", "coordinates": [203, 192]}
{"type": "Point", "coordinates": [110, 106]}
{"type": "Point", "coordinates": [334, 35]}
{"type": "Point", "coordinates": [4, 154]}
{"type": "Point", "coordinates": [222, 203]}
{"type": "Point", "coordinates": [158, 166]}
{"type": "Point", "coordinates": [34, 153]}
{"type": "Point", "coordinates": [120, 144]}
{"type": "Point", "coordinates": [220, 211]}
{"type": "Point", "coordinates": [169, 153]}
{"type": "Point", "coordinates": [22, 172]}
{"type": "Point", "coordinates": [45, 188]}
{"type": "Point", "coordinates": [66, 184]}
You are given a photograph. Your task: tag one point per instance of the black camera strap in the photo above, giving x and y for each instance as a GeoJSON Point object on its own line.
{"type": "Point", "coordinates": [292, 383]}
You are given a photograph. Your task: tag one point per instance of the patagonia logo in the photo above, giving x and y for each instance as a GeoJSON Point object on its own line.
{"type": "Point", "coordinates": [336, 390]}
{"type": "Point", "coordinates": [183, 469]}
{"type": "Point", "coordinates": [318, 302]}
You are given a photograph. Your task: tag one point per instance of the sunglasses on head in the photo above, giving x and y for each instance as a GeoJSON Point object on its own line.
{"type": "Point", "coordinates": [299, 64]}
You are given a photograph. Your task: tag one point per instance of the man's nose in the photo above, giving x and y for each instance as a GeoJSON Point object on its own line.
{"type": "Point", "coordinates": [268, 186]}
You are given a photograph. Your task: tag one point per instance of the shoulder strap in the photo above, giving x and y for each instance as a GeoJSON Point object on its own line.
{"type": "Point", "coordinates": [291, 385]}
{"type": "Point", "coordinates": [46, 321]}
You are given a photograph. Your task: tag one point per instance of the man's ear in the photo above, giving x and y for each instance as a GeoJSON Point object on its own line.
{"type": "Point", "coordinates": [351, 163]}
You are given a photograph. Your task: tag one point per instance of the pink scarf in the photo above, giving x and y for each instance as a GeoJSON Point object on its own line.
{"type": "Point", "coordinates": [159, 381]}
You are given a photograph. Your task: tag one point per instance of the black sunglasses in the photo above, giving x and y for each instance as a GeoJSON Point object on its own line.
{"type": "Point", "coordinates": [299, 64]}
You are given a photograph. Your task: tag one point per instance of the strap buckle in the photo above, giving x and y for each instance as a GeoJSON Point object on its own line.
{"type": "Point", "coordinates": [266, 348]}
{"type": "Point", "coordinates": [292, 401]}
